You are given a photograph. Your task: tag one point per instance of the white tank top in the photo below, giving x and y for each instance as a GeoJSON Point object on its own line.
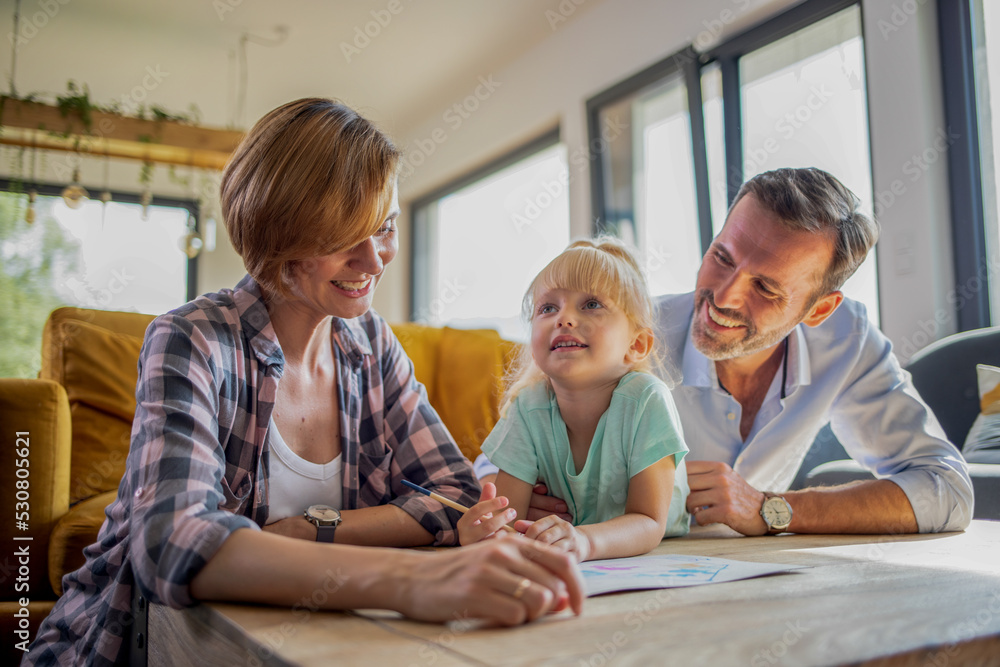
{"type": "Point", "coordinates": [295, 483]}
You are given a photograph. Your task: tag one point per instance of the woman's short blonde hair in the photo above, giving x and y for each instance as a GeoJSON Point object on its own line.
{"type": "Point", "coordinates": [311, 178]}
{"type": "Point", "coordinates": [605, 267]}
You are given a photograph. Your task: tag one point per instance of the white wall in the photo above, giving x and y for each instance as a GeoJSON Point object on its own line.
{"type": "Point", "coordinates": [910, 171]}
{"type": "Point", "coordinates": [551, 83]}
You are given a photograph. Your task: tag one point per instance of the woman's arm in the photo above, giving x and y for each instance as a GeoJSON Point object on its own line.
{"type": "Point", "coordinates": [380, 526]}
{"type": "Point", "coordinates": [636, 532]}
{"type": "Point", "coordinates": [477, 582]}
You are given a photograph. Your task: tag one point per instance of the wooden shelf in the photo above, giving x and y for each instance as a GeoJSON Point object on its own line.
{"type": "Point", "coordinates": [31, 124]}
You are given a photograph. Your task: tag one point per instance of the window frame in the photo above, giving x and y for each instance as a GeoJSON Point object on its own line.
{"type": "Point", "coordinates": [422, 237]}
{"type": "Point", "coordinates": [965, 183]}
{"type": "Point", "coordinates": [192, 207]}
{"type": "Point", "coordinates": [686, 63]}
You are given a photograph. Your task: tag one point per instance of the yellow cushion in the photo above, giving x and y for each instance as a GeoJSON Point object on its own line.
{"type": "Point", "coordinates": [422, 345]}
{"type": "Point", "coordinates": [39, 409]}
{"type": "Point", "coordinates": [469, 377]}
{"type": "Point", "coordinates": [76, 530]}
{"type": "Point", "coordinates": [98, 370]}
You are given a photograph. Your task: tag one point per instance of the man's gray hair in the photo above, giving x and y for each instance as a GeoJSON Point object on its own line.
{"type": "Point", "coordinates": [812, 200]}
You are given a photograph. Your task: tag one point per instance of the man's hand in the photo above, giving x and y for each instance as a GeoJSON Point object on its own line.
{"type": "Point", "coordinates": [719, 495]}
{"type": "Point", "coordinates": [543, 505]}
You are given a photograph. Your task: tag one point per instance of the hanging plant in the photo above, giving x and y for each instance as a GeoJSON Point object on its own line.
{"type": "Point", "coordinates": [77, 102]}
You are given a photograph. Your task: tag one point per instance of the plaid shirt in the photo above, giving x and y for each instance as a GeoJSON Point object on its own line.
{"type": "Point", "coordinates": [197, 467]}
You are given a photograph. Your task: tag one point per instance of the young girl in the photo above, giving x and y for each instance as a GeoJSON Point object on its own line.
{"type": "Point", "coordinates": [585, 415]}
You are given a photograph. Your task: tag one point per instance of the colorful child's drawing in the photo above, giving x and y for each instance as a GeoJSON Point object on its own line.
{"type": "Point", "coordinates": [669, 571]}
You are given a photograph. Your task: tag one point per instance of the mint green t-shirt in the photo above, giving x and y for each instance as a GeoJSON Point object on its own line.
{"type": "Point", "coordinates": [640, 427]}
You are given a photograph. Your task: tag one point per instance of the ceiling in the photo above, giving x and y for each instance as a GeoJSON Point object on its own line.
{"type": "Point", "coordinates": [393, 59]}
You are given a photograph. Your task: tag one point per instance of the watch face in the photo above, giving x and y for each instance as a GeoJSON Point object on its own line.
{"type": "Point", "coordinates": [324, 514]}
{"type": "Point", "coordinates": [776, 513]}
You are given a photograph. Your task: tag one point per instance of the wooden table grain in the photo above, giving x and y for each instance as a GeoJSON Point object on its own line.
{"type": "Point", "coordinates": [928, 600]}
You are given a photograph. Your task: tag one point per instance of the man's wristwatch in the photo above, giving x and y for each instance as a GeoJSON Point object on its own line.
{"type": "Point", "coordinates": [326, 519]}
{"type": "Point", "coordinates": [776, 512]}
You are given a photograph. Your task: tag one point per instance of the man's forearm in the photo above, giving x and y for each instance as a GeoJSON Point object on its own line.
{"type": "Point", "coordinates": [867, 507]}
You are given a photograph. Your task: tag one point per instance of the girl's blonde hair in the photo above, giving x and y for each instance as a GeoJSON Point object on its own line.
{"type": "Point", "coordinates": [605, 267]}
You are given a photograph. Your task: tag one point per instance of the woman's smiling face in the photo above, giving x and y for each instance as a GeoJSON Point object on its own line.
{"type": "Point", "coordinates": [343, 283]}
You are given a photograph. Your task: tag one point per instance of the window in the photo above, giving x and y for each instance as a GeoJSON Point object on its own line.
{"type": "Point", "coordinates": [518, 208]}
{"type": "Point", "coordinates": [107, 257]}
{"type": "Point", "coordinates": [649, 196]}
{"type": "Point", "coordinates": [789, 93]}
{"type": "Point", "coordinates": [985, 44]}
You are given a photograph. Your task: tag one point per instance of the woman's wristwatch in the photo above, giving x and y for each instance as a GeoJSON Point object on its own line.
{"type": "Point", "coordinates": [325, 518]}
{"type": "Point", "coordinates": [776, 512]}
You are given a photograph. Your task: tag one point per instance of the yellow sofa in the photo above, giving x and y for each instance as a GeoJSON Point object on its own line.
{"type": "Point", "coordinates": [78, 415]}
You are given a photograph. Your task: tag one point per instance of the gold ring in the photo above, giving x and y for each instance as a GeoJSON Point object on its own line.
{"type": "Point", "coordinates": [521, 588]}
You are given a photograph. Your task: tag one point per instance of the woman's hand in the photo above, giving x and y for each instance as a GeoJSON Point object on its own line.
{"type": "Point", "coordinates": [507, 581]}
{"type": "Point", "coordinates": [559, 533]}
{"type": "Point", "coordinates": [485, 519]}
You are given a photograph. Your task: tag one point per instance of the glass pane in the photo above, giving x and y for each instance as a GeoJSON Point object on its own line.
{"type": "Point", "coordinates": [92, 257]}
{"type": "Point", "coordinates": [986, 56]}
{"type": "Point", "coordinates": [667, 207]}
{"type": "Point", "coordinates": [491, 239]}
{"type": "Point", "coordinates": [715, 144]}
{"type": "Point", "coordinates": [804, 105]}
{"type": "Point", "coordinates": [649, 184]}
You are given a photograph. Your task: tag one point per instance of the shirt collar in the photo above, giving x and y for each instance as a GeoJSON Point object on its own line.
{"type": "Point", "coordinates": [699, 370]}
{"type": "Point", "coordinates": [349, 335]}
{"type": "Point", "coordinates": [256, 322]}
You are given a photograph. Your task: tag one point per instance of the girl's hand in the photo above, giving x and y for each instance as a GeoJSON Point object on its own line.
{"type": "Point", "coordinates": [559, 533]}
{"type": "Point", "coordinates": [486, 518]}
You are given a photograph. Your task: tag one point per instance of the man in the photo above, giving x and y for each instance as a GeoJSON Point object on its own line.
{"type": "Point", "coordinates": [769, 351]}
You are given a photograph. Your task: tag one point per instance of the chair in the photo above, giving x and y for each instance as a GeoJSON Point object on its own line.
{"type": "Point", "coordinates": [944, 373]}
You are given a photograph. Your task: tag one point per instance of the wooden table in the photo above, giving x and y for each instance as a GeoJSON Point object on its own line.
{"type": "Point", "coordinates": [930, 600]}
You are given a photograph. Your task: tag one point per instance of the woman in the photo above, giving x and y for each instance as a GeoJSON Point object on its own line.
{"type": "Point", "coordinates": [248, 400]}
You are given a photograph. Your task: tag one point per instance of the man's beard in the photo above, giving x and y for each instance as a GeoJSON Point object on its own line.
{"type": "Point", "coordinates": [719, 348]}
